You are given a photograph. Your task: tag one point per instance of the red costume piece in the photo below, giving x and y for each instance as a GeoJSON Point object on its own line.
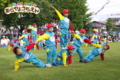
{"type": "Point", "coordinates": [34, 24]}
{"type": "Point", "coordinates": [65, 11]}
{"type": "Point", "coordinates": [102, 56]}
{"type": "Point", "coordinates": [87, 41]}
{"type": "Point", "coordinates": [71, 27]}
{"type": "Point", "coordinates": [29, 47]}
{"type": "Point", "coordinates": [70, 59]}
{"type": "Point", "coordinates": [83, 31]}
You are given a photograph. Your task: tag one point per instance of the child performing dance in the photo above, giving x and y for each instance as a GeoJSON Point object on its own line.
{"type": "Point", "coordinates": [24, 55]}
{"type": "Point", "coordinates": [79, 40]}
{"type": "Point", "coordinates": [64, 57]}
{"type": "Point", "coordinates": [50, 44]}
{"type": "Point", "coordinates": [65, 24]}
{"type": "Point", "coordinates": [34, 33]}
{"type": "Point", "coordinates": [99, 50]}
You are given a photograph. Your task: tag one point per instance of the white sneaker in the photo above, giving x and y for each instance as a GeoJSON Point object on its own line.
{"type": "Point", "coordinates": [65, 47]}
{"type": "Point", "coordinates": [62, 48]}
{"type": "Point", "coordinates": [48, 65]}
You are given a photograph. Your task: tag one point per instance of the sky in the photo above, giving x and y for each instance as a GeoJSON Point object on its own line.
{"type": "Point", "coordinates": [112, 8]}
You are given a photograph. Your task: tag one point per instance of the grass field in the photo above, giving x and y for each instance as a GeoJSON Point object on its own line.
{"type": "Point", "coordinates": [95, 70]}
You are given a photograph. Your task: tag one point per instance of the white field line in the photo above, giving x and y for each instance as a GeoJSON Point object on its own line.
{"type": "Point", "coordinates": [45, 54]}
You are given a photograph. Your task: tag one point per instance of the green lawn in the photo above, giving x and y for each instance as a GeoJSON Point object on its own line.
{"type": "Point", "coordinates": [95, 70]}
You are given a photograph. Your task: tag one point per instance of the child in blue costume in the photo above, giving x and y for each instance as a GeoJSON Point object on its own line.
{"type": "Point", "coordinates": [24, 55]}
{"type": "Point", "coordinates": [103, 41]}
{"type": "Point", "coordinates": [25, 38]}
{"type": "Point", "coordinates": [50, 44]}
{"type": "Point", "coordinates": [65, 25]}
{"type": "Point", "coordinates": [34, 33]}
{"type": "Point", "coordinates": [95, 37]}
{"type": "Point", "coordinates": [64, 57]}
{"type": "Point", "coordinates": [79, 40]}
{"type": "Point", "coordinates": [99, 50]}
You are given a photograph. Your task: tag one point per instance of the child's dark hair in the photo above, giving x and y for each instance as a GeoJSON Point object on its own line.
{"type": "Point", "coordinates": [15, 50]}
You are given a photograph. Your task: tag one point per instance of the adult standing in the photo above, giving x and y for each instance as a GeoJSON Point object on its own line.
{"type": "Point", "coordinates": [15, 33]}
{"type": "Point", "coordinates": [7, 33]}
{"type": "Point", "coordinates": [105, 34]}
{"type": "Point", "coordinates": [0, 32]}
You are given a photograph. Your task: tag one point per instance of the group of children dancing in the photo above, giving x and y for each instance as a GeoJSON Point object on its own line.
{"type": "Point", "coordinates": [64, 57]}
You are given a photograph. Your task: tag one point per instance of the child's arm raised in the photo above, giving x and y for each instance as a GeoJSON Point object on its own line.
{"type": "Point", "coordinates": [29, 47]}
{"type": "Point", "coordinates": [75, 35]}
{"type": "Point", "coordinates": [58, 13]}
{"type": "Point", "coordinates": [43, 37]}
{"type": "Point", "coordinates": [31, 28]}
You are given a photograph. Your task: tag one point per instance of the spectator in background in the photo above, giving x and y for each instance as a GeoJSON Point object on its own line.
{"type": "Point", "coordinates": [0, 32]}
{"type": "Point", "coordinates": [57, 25]}
{"type": "Point", "coordinates": [105, 34]}
{"type": "Point", "coordinates": [114, 33]}
{"type": "Point", "coordinates": [119, 37]}
{"type": "Point", "coordinates": [15, 33]}
{"type": "Point", "coordinates": [109, 38]}
{"type": "Point", "coordinates": [7, 39]}
{"type": "Point", "coordinates": [7, 33]}
{"type": "Point", "coordinates": [70, 37]}
{"type": "Point", "coordinates": [40, 31]}
{"type": "Point", "coordinates": [4, 42]}
{"type": "Point", "coordinates": [77, 32]}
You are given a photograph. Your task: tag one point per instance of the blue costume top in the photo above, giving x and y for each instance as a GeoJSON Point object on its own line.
{"type": "Point", "coordinates": [64, 54]}
{"type": "Point", "coordinates": [79, 39]}
{"type": "Point", "coordinates": [64, 23]}
{"type": "Point", "coordinates": [59, 55]}
{"type": "Point", "coordinates": [25, 56]}
{"type": "Point", "coordinates": [49, 37]}
{"type": "Point", "coordinates": [51, 40]}
{"type": "Point", "coordinates": [25, 37]}
{"type": "Point", "coordinates": [34, 30]}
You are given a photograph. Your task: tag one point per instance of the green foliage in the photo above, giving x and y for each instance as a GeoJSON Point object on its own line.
{"type": "Point", "coordinates": [77, 8]}
{"type": "Point", "coordinates": [2, 6]}
{"type": "Point", "coordinates": [110, 24]}
{"type": "Point", "coordinates": [12, 19]}
{"type": "Point", "coordinates": [95, 70]}
{"type": "Point", "coordinates": [2, 3]}
{"type": "Point", "coordinates": [115, 29]}
{"type": "Point", "coordinates": [29, 18]}
{"type": "Point", "coordinates": [77, 15]}
{"type": "Point", "coordinates": [45, 15]}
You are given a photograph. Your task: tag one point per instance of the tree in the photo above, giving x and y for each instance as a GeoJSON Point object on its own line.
{"type": "Point", "coordinates": [77, 10]}
{"type": "Point", "coordinates": [2, 6]}
{"type": "Point", "coordinates": [77, 15]}
{"type": "Point", "coordinates": [110, 24]}
{"type": "Point", "coordinates": [45, 15]}
{"type": "Point", "coordinates": [12, 19]}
